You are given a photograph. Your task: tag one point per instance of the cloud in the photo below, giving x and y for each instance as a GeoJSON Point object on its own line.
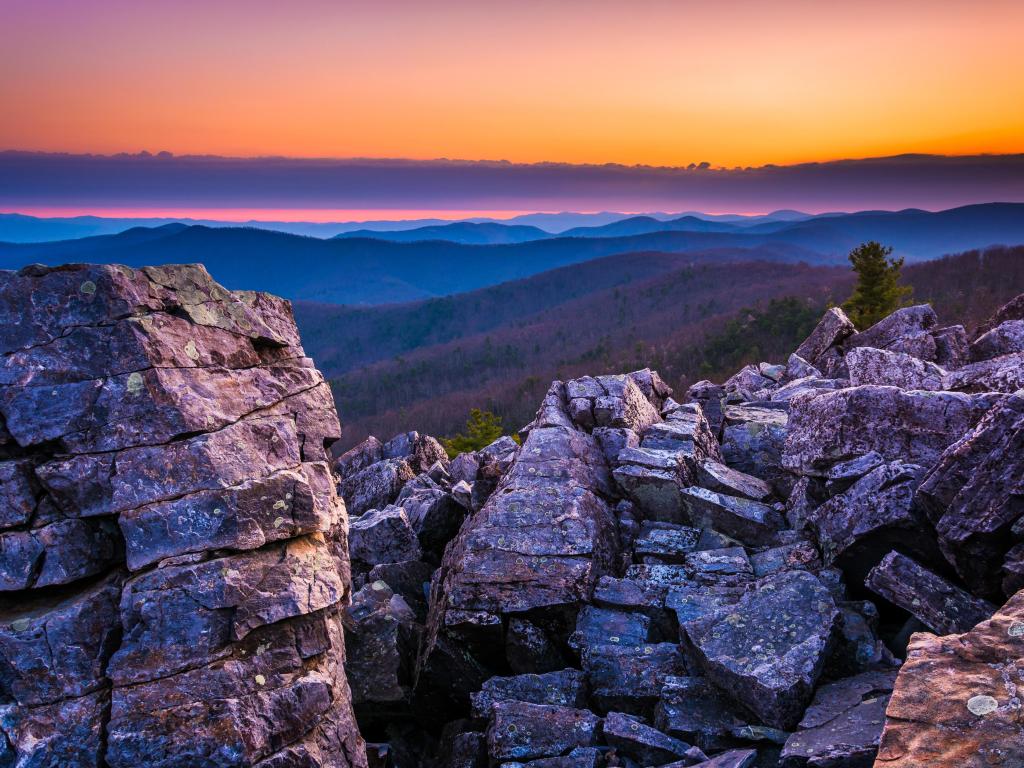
{"type": "Point", "coordinates": [29, 179]}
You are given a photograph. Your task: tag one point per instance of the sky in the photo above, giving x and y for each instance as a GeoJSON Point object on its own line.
{"type": "Point", "coordinates": [650, 82]}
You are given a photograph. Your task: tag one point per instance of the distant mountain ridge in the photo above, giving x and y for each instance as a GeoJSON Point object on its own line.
{"type": "Point", "coordinates": [365, 270]}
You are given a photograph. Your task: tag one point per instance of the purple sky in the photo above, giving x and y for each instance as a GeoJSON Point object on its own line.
{"type": "Point", "coordinates": [150, 184]}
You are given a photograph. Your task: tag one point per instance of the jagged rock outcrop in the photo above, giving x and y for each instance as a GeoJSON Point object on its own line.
{"type": "Point", "coordinates": [173, 554]}
{"type": "Point", "coordinates": [727, 582]}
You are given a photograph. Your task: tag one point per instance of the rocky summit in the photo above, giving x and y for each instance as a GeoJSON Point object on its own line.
{"type": "Point", "coordinates": [815, 563]}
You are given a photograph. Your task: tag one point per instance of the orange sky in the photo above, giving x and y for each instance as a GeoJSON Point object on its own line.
{"type": "Point", "coordinates": [657, 82]}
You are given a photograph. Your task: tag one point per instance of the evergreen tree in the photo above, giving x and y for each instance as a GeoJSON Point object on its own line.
{"type": "Point", "coordinates": [878, 292]}
{"type": "Point", "coordinates": [482, 429]}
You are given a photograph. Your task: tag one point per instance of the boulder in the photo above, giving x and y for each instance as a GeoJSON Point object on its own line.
{"type": "Point", "coordinates": [651, 479]}
{"type": "Point", "coordinates": [522, 731]}
{"type": "Point", "coordinates": [637, 741]}
{"type": "Point", "coordinates": [629, 678]}
{"type": "Point", "coordinates": [843, 724]}
{"type": "Point", "coordinates": [376, 486]}
{"type": "Point", "coordinates": [564, 688]}
{"type": "Point", "coordinates": [734, 758]}
{"type": "Point", "coordinates": [906, 330]}
{"type": "Point", "coordinates": [954, 703]}
{"type": "Point", "coordinates": [693, 710]}
{"type": "Point", "coordinates": [951, 346]}
{"type": "Point", "coordinates": [356, 459]}
{"type": "Point", "coordinates": [1004, 339]}
{"type": "Point", "coordinates": [910, 426]}
{"type": "Point", "coordinates": [715, 476]}
{"type": "Point", "coordinates": [1011, 310]}
{"type": "Point", "coordinates": [747, 521]}
{"type": "Point", "coordinates": [383, 536]}
{"type": "Point", "coordinates": [833, 328]}
{"type": "Point", "coordinates": [665, 542]}
{"type": "Point", "coordinates": [973, 495]}
{"type": "Point", "coordinates": [868, 365]}
{"type": "Point", "coordinates": [997, 374]}
{"type": "Point", "coordinates": [752, 442]}
{"type": "Point", "coordinates": [938, 604]}
{"type": "Point", "coordinates": [768, 650]}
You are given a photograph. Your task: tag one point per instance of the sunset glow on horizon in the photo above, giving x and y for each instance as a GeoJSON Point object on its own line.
{"type": "Point", "coordinates": [654, 82]}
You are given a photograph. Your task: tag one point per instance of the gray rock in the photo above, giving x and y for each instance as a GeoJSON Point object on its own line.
{"type": "Point", "coordinates": [768, 651]}
{"type": "Point", "coordinates": [640, 742]}
{"type": "Point", "coordinates": [753, 440]}
{"type": "Point", "coordinates": [564, 688]}
{"type": "Point", "coordinates": [833, 328]}
{"type": "Point", "coordinates": [938, 604]}
{"type": "Point", "coordinates": [376, 486]}
{"type": "Point", "coordinates": [951, 346]}
{"type": "Point", "coordinates": [521, 731]}
{"type": "Point", "coordinates": [1004, 339]}
{"type": "Point", "coordinates": [906, 330]}
{"type": "Point", "coordinates": [717, 477]}
{"type": "Point", "coordinates": [998, 374]}
{"type": "Point", "coordinates": [745, 520]}
{"type": "Point", "coordinates": [383, 536]}
{"type": "Point", "coordinates": [868, 365]}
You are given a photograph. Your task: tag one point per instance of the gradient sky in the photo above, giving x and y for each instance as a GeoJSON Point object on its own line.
{"type": "Point", "coordinates": [673, 82]}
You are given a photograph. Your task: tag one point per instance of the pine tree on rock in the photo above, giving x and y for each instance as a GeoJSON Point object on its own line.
{"type": "Point", "coordinates": [878, 292]}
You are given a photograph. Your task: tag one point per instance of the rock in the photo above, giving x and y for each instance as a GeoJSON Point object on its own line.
{"type": "Point", "coordinates": [808, 385]}
{"type": "Point", "coordinates": [410, 579]}
{"type": "Point", "coordinates": [801, 555]}
{"type": "Point", "coordinates": [18, 492]}
{"type": "Point", "coordinates": [906, 330]}
{"type": "Point", "coordinates": [798, 368]}
{"type": "Point", "coordinates": [521, 731]}
{"type": "Point", "coordinates": [629, 678]}
{"type": "Point", "coordinates": [998, 374]}
{"type": "Point", "coordinates": [693, 710]}
{"type": "Point", "coordinates": [858, 527]}
{"type": "Point", "coordinates": [953, 704]}
{"type": "Point", "coordinates": [381, 640]}
{"type": "Point", "coordinates": [529, 649]}
{"type": "Point", "coordinates": [65, 733]}
{"type": "Point", "coordinates": [752, 442]}
{"type": "Point", "coordinates": [833, 328]}
{"type": "Point", "coordinates": [1013, 570]}
{"type": "Point", "coordinates": [435, 516]}
{"type": "Point", "coordinates": [383, 536]}
{"type": "Point", "coordinates": [909, 426]}
{"type": "Point", "coordinates": [376, 486]}
{"type": "Point", "coordinates": [746, 382]}
{"type": "Point", "coordinates": [179, 425]}
{"type": "Point", "coordinates": [564, 688]}
{"type": "Point", "coordinates": [715, 476]}
{"type": "Point", "coordinates": [665, 542]}
{"type": "Point", "coordinates": [465, 750]}
{"type": "Point", "coordinates": [599, 626]}
{"type": "Point", "coordinates": [768, 651]}
{"type": "Point", "coordinates": [711, 398]}
{"type": "Point", "coordinates": [841, 476]}
{"type": "Point", "coordinates": [941, 606]}
{"type": "Point", "coordinates": [973, 495]}
{"type": "Point", "coordinates": [356, 459]}
{"type": "Point", "coordinates": [651, 479]}
{"type": "Point", "coordinates": [734, 758]}
{"type": "Point", "coordinates": [640, 742]}
{"type": "Point", "coordinates": [1004, 339]}
{"type": "Point", "coordinates": [843, 725]}
{"type": "Point", "coordinates": [750, 522]}
{"type": "Point", "coordinates": [624, 405]}
{"type": "Point", "coordinates": [951, 346]}
{"type": "Point", "coordinates": [895, 369]}
{"type": "Point", "coordinates": [1012, 310]}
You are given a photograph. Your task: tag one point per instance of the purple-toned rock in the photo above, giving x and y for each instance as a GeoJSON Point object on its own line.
{"type": "Point", "coordinates": [734, 758]}
{"type": "Point", "coordinates": [752, 441]}
{"type": "Point", "coordinates": [768, 650]}
{"type": "Point", "coordinates": [629, 678]}
{"type": "Point", "coordinates": [952, 348]}
{"type": "Point", "coordinates": [531, 649]}
{"type": "Point", "coordinates": [358, 458]}
{"type": "Point", "coordinates": [624, 405]}
{"type": "Point", "coordinates": [906, 330]}
{"type": "Point", "coordinates": [564, 688]}
{"type": "Point", "coordinates": [868, 365]}
{"type": "Point", "coordinates": [844, 474]}
{"type": "Point", "coordinates": [809, 385]}
{"type": "Point", "coordinates": [522, 731]}
{"type": "Point", "coordinates": [717, 477]}
{"type": "Point", "coordinates": [651, 479]}
{"type": "Point", "coordinates": [910, 426]}
{"type": "Point", "coordinates": [998, 374]}
{"type": "Point", "coordinates": [381, 638]}
{"type": "Point", "coordinates": [746, 382]}
{"type": "Point", "coordinates": [601, 626]}
{"type": "Point", "coordinates": [974, 495]}
{"type": "Point", "coordinates": [376, 486]}
{"type": "Point", "coordinates": [181, 425]}
{"type": "Point", "coordinates": [1013, 570]}
{"type": "Point", "coordinates": [1006, 338]}
{"type": "Point", "coordinates": [938, 604]}
{"type": "Point", "coordinates": [435, 516]}
{"type": "Point", "coordinates": [745, 520]}
{"type": "Point", "coordinates": [955, 702]}
{"type": "Point", "coordinates": [637, 741]}
{"type": "Point", "coordinates": [833, 328]}
{"type": "Point", "coordinates": [67, 733]}
{"type": "Point", "coordinates": [664, 542]}
{"type": "Point", "coordinates": [383, 536]}
{"type": "Point", "coordinates": [695, 711]}
{"type": "Point", "coordinates": [843, 725]}
{"type": "Point", "coordinates": [18, 493]}
{"type": "Point", "coordinates": [858, 527]}
{"type": "Point", "coordinates": [798, 368]}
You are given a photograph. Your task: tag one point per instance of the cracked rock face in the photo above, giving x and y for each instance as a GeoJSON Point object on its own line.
{"type": "Point", "coordinates": [173, 554]}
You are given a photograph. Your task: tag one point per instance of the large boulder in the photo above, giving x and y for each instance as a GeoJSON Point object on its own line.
{"type": "Point", "coordinates": [974, 494]}
{"type": "Point", "coordinates": [900, 425]}
{"type": "Point", "coordinates": [868, 365]}
{"type": "Point", "coordinates": [955, 702]}
{"type": "Point", "coordinates": [174, 550]}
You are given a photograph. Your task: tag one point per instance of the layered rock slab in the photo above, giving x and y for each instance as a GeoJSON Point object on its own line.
{"type": "Point", "coordinates": [184, 423]}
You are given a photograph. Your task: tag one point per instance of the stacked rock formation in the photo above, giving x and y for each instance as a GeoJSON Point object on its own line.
{"type": "Point", "coordinates": [173, 555]}
{"type": "Point", "coordinates": [733, 580]}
